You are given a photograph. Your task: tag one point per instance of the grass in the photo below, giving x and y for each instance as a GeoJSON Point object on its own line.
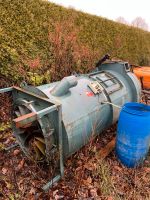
{"type": "Point", "coordinates": [104, 175]}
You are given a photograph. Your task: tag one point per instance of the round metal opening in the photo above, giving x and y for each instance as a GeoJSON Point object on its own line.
{"type": "Point", "coordinates": [30, 138]}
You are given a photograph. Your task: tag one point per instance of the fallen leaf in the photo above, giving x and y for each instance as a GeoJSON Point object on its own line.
{"type": "Point", "coordinates": [82, 193]}
{"type": "Point", "coordinates": [89, 166]}
{"type": "Point", "coordinates": [32, 191]}
{"type": "Point", "coordinates": [110, 198]}
{"type": "Point", "coordinates": [117, 168]}
{"type": "Point", "coordinates": [4, 171]}
{"type": "Point", "coordinates": [7, 141]}
{"type": "Point", "coordinates": [93, 192]}
{"type": "Point", "coordinates": [147, 169]}
{"type": "Point", "coordinates": [9, 185]}
{"type": "Point", "coordinates": [55, 192]}
{"type": "Point", "coordinates": [20, 185]}
{"type": "Point", "coordinates": [88, 181]}
{"type": "Point", "coordinates": [16, 152]}
{"type": "Point", "coordinates": [57, 197]}
{"type": "Point", "coordinates": [79, 169]}
{"type": "Point", "coordinates": [21, 164]}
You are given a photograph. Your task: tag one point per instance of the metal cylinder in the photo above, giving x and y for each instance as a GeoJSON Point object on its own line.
{"type": "Point", "coordinates": [73, 110]}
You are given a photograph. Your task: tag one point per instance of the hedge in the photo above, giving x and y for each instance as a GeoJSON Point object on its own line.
{"type": "Point", "coordinates": [28, 40]}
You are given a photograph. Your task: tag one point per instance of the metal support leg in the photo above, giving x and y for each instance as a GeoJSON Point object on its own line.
{"type": "Point", "coordinates": [58, 177]}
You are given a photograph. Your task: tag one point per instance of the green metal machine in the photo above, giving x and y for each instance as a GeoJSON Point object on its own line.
{"type": "Point", "coordinates": [62, 116]}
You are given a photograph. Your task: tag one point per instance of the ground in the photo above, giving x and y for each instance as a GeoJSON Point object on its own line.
{"type": "Point", "coordinates": [85, 177]}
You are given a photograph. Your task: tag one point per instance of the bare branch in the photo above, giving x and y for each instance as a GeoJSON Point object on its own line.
{"type": "Point", "coordinates": [139, 22]}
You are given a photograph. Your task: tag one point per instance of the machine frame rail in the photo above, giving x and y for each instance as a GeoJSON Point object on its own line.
{"type": "Point", "coordinates": [23, 120]}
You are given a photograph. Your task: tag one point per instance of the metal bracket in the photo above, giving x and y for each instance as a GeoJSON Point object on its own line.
{"type": "Point", "coordinates": [58, 177]}
{"type": "Point", "coordinates": [9, 89]}
{"type": "Point", "coordinates": [95, 87]}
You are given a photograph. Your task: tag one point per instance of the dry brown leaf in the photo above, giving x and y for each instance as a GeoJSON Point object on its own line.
{"type": "Point", "coordinates": [146, 169]}
{"type": "Point", "coordinates": [82, 193]}
{"type": "Point", "coordinates": [110, 198]}
{"type": "Point", "coordinates": [118, 168]}
{"type": "Point", "coordinates": [4, 171]}
{"type": "Point", "coordinates": [32, 191]}
{"type": "Point", "coordinates": [57, 197]}
{"type": "Point", "coordinates": [79, 168]}
{"type": "Point", "coordinates": [55, 192]}
{"type": "Point", "coordinates": [20, 185]}
{"type": "Point", "coordinates": [7, 141]}
{"type": "Point", "coordinates": [21, 164]}
{"type": "Point", "coordinates": [88, 181]}
{"type": "Point", "coordinates": [93, 192]}
{"type": "Point", "coordinates": [89, 166]}
{"type": "Point", "coordinates": [16, 152]}
{"type": "Point", "coordinates": [8, 185]}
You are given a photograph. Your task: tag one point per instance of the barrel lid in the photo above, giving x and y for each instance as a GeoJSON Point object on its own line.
{"type": "Point", "coordinates": [144, 68]}
{"type": "Point", "coordinates": [136, 108]}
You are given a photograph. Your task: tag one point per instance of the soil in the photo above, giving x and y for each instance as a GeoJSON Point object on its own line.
{"type": "Point", "coordinates": [21, 178]}
{"type": "Point", "coordinates": [85, 176]}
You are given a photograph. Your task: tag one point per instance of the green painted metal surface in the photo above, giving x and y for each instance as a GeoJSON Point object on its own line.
{"type": "Point", "coordinates": [83, 112]}
{"type": "Point", "coordinates": [66, 114]}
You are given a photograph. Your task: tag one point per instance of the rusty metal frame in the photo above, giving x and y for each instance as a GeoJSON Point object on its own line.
{"type": "Point", "coordinates": [23, 121]}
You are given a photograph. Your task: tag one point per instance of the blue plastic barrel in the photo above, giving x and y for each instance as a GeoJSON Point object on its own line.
{"type": "Point", "coordinates": [133, 134]}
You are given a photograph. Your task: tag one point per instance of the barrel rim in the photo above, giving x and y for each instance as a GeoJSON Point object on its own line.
{"type": "Point", "coordinates": [135, 108]}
